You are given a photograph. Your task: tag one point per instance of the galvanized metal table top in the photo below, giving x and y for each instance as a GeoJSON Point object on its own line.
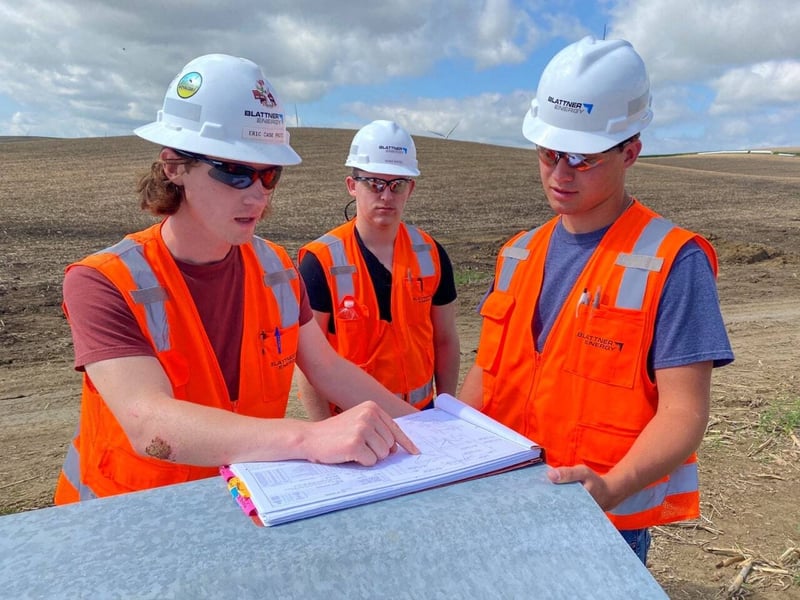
{"type": "Point", "coordinates": [513, 535]}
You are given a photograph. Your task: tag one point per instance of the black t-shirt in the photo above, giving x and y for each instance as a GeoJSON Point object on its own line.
{"type": "Point", "coordinates": [320, 294]}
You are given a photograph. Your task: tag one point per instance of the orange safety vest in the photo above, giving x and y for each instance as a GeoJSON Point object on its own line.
{"type": "Point", "coordinates": [398, 354]}
{"type": "Point", "coordinates": [587, 395]}
{"type": "Point", "coordinates": [101, 461]}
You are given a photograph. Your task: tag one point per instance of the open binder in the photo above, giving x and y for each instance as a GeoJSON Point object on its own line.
{"type": "Point", "coordinates": [456, 443]}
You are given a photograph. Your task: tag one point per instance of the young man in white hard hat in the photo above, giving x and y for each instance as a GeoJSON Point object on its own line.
{"type": "Point", "coordinates": [188, 332]}
{"type": "Point", "coordinates": [383, 290]}
{"type": "Point", "coordinates": [602, 326]}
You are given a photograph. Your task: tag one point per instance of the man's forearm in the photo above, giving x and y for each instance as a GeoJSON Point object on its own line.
{"type": "Point", "coordinates": [317, 407]}
{"type": "Point", "coordinates": [351, 386]}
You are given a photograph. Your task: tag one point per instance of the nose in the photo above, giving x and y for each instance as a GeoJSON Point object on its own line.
{"type": "Point", "coordinates": [257, 194]}
{"type": "Point", "coordinates": [562, 171]}
{"type": "Point", "coordinates": [387, 193]}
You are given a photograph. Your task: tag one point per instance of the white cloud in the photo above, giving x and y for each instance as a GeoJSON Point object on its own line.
{"type": "Point", "coordinates": [671, 106]}
{"type": "Point", "coordinates": [121, 54]}
{"type": "Point", "coordinates": [718, 68]}
{"type": "Point", "coordinates": [691, 39]}
{"type": "Point", "coordinates": [489, 118]}
{"type": "Point", "coordinates": [20, 124]}
{"type": "Point", "coordinates": [749, 89]}
{"type": "Point", "coordinates": [730, 62]}
{"type": "Point", "coordinates": [497, 29]}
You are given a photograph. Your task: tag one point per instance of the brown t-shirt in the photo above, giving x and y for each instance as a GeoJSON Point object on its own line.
{"type": "Point", "coordinates": [103, 326]}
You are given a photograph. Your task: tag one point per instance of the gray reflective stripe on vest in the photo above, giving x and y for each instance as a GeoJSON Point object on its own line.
{"type": "Point", "coordinates": [640, 263]}
{"type": "Point", "coordinates": [148, 293]}
{"type": "Point", "coordinates": [637, 264]}
{"type": "Point", "coordinates": [422, 250]}
{"type": "Point", "coordinates": [419, 394]}
{"type": "Point", "coordinates": [512, 256]}
{"type": "Point", "coordinates": [342, 271]}
{"type": "Point", "coordinates": [72, 471]}
{"type": "Point", "coordinates": [277, 278]}
{"type": "Point", "coordinates": [682, 480]}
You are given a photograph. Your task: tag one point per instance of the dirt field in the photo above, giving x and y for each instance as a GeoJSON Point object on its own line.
{"type": "Point", "coordinates": [62, 199]}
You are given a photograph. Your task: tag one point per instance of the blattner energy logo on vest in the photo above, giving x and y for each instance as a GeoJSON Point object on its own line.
{"type": "Point", "coordinates": [600, 343]}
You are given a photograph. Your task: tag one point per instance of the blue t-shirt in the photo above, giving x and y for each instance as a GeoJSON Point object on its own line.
{"type": "Point", "coordinates": [689, 326]}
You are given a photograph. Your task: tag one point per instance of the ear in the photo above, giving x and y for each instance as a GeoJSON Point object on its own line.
{"type": "Point", "coordinates": [351, 185]}
{"type": "Point", "coordinates": [172, 169]}
{"type": "Point", "coordinates": [630, 152]}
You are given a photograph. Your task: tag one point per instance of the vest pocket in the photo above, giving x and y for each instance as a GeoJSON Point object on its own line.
{"type": "Point", "coordinates": [419, 291]}
{"type": "Point", "coordinates": [496, 312]}
{"type": "Point", "coordinates": [601, 448]}
{"type": "Point", "coordinates": [353, 337]}
{"type": "Point", "coordinates": [606, 346]}
{"type": "Point", "coordinates": [131, 472]}
{"type": "Point", "coordinates": [278, 357]}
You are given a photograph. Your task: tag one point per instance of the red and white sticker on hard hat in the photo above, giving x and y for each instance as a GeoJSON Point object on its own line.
{"type": "Point", "coordinates": [263, 94]}
{"type": "Point", "coordinates": [265, 125]}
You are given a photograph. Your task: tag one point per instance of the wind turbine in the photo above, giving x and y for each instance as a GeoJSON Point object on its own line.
{"type": "Point", "coordinates": [446, 135]}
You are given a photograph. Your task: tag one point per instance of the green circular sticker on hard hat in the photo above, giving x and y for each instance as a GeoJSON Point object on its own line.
{"type": "Point", "coordinates": [189, 84]}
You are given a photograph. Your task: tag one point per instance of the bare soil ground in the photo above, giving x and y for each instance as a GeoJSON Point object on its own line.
{"type": "Point", "coordinates": [62, 199]}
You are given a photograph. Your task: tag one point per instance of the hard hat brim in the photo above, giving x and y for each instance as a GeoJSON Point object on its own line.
{"type": "Point", "coordinates": [581, 142]}
{"type": "Point", "coordinates": [238, 151]}
{"type": "Point", "coordinates": [383, 169]}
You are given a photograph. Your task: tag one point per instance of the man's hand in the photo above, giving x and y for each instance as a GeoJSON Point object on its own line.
{"type": "Point", "coordinates": [363, 434]}
{"type": "Point", "coordinates": [595, 484]}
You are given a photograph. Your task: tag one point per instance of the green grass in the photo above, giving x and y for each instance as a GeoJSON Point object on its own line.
{"type": "Point", "coordinates": [469, 276]}
{"type": "Point", "coordinates": [782, 416]}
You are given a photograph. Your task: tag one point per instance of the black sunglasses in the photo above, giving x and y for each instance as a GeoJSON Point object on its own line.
{"type": "Point", "coordinates": [237, 175]}
{"type": "Point", "coordinates": [377, 185]}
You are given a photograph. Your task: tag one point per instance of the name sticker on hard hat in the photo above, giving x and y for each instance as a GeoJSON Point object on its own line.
{"type": "Point", "coordinates": [266, 135]}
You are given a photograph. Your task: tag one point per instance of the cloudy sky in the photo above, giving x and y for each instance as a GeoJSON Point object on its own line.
{"type": "Point", "coordinates": [725, 74]}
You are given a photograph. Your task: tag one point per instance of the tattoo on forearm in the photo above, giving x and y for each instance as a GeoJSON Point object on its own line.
{"type": "Point", "coordinates": [158, 448]}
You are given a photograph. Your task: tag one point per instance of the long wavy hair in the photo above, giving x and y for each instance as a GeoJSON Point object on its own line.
{"type": "Point", "coordinates": [157, 194]}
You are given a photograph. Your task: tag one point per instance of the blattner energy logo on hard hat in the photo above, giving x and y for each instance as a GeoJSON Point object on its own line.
{"type": "Point", "coordinates": [570, 106]}
{"type": "Point", "coordinates": [189, 84]}
{"type": "Point", "coordinates": [396, 149]}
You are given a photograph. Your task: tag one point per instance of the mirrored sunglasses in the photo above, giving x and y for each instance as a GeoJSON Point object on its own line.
{"type": "Point", "coordinates": [377, 185]}
{"type": "Point", "coordinates": [579, 162]}
{"type": "Point", "coordinates": [237, 175]}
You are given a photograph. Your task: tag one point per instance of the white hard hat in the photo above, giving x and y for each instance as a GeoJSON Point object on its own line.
{"type": "Point", "coordinates": [592, 95]}
{"type": "Point", "coordinates": [223, 106]}
{"type": "Point", "coordinates": [383, 147]}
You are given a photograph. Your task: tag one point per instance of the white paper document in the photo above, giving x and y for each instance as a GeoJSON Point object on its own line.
{"type": "Point", "coordinates": [456, 442]}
